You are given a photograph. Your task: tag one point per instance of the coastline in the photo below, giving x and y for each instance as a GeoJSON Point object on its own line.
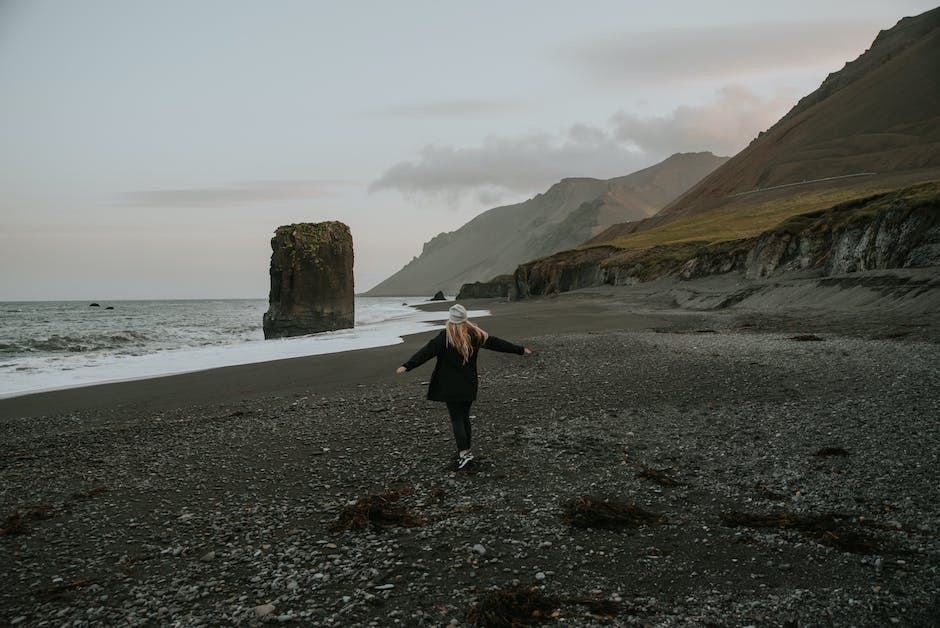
{"type": "Point", "coordinates": [324, 372]}
{"type": "Point", "coordinates": [212, 497]}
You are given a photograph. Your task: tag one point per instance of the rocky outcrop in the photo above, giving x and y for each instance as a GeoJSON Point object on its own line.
{"type": "Point", "coordinates": [898, 229]}
{"type": "Point", "coordinates": [497, 288]}
{"type": "Point", "coordinates": [899, 236]}
{"type": "Point", "coordinates": [311, 280]}
{"type": "Point", "coordinates": [438, 296]}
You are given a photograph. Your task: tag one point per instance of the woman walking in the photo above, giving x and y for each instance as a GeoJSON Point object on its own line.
{"type": "Point", "coordinates": [454, 380]}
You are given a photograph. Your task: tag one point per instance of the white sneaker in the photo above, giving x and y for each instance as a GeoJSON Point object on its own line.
{"type": "Point", "coordinates": [464, 459]}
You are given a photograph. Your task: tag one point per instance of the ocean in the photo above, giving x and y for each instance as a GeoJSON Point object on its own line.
{"type": "Point", "coordinates": [47, 345]}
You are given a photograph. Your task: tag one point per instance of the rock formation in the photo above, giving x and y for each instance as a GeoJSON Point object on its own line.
{"type": "Point", "coordinates": [311, 280]}
{"type": "Point", "coordinates": [898, 229]}
{"type": "Point", "coordinates": [497, 288]}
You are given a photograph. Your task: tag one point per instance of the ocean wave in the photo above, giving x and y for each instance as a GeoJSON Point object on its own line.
{"type": "Point", "coordinates": [57, 343]}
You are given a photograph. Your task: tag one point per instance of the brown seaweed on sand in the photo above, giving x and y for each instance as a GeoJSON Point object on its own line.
{"type": "Point", "coordinates": [15, 523]}
{"type": "Point", "coordinates": [831, 451]}
{"type": "Point", "coordinates": [656, 475]}
{"type": "Point", "coordinates": [593, 512]}
{"type": "Point", "coordinates": [375, 511]}
{"type": "Point", "coordinates": [528, 607]}
{"type": "Point", "coordinates": [513, 607]}
{"type": "Point", "coordinates": [828, 529]}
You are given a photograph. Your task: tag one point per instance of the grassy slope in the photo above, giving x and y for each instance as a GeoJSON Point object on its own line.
{"type": "Point", "coordinates": [663, 250]}
{"type": "Point", "coordinates": [740, 221]}
{"type": "Point", "coordinates": [750, 220]}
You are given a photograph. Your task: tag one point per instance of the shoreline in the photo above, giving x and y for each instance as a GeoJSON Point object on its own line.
{"type": "Point", "coordinates": [324, 372]}
{"type": "Point", "coordinates": [895, 303]}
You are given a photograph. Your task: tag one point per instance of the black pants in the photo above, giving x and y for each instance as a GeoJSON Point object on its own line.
{"type": "Point", "coordinates": [460, 420]}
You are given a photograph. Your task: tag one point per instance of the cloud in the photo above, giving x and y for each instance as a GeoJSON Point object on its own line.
{"type": "Point", "coordinates": [723, 127]}
{"type": "Point", "coordinates": [236, 194]}
{"type": "Point", "coordinates": [448, 109]}
{"type": "Point", "coordinates": [503, 166]}
{"type": "Point", "coordinates": [722, 52]}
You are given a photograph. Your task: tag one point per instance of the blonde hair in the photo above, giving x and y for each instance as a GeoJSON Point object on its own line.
{"type": "Point", "coordinates": [465, 337]}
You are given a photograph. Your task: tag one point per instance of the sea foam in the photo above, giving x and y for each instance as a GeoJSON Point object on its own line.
{"type": "Point", "coordinates": [185, 338]}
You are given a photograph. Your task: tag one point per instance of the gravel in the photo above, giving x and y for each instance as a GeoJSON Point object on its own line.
{"type": "Point", "coordinates": [222, 515]}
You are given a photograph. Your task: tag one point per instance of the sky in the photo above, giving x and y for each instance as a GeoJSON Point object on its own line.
{"type": "Point", "coordinates": [149, 149]}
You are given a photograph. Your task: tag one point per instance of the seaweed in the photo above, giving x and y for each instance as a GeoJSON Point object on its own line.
{"type": "Point", "coordinates": [593, 512]}
{"type": "Point", "coordinates": [832, 451]}
{"type": "Point", "coordinates": [656, 475]}
{"type": "Point", "coordinates": [513, 607]}
{"type": "Point", "coordinates": [528, 607]}
{"type": "Point", "coordinates": [376, 512]}
{"type": "Point", "coordinates": [16, 522]}
{"type": "Point", "coordinates": [828, 529]}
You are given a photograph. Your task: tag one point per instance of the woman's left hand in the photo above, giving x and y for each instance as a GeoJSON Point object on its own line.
{"type": "Point", "coordinates": [400, 370]}
{"type": "Point", "coordinates": [526, 351]}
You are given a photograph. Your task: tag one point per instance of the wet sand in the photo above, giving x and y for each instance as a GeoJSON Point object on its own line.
{"type": "Point", "coordinates": [321, 373]}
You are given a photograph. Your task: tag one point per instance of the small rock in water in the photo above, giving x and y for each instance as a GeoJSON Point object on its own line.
{"type": "Point", "coordinates": [478, 549]}
{"type": "Point", "coordinates": [208, 556]}
{"type": "Point", "coordinates": [540, 576]}
{"type": "Point", "coordinates": [384, 587]}
{"type": "Point", "coordinates": [264, 610]}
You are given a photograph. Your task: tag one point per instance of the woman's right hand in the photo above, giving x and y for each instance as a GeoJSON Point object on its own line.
{"type": "Point", "coordinates": [401, 369]}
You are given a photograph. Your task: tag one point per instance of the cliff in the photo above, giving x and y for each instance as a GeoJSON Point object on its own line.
{"type": "Point", "coordinates": [898, 229]}
{"type": "Point", "coordinates": [567, 214]}
{"type": "Point", "coordinates": [311, 280]}
{"type": "Point", "coordinates": [497, 288]}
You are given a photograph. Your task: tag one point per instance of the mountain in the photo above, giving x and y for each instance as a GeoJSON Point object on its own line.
{"type": "Point", "coordinates": [571, 211]}
{"type": "Point", "coordinates": [878, 117]}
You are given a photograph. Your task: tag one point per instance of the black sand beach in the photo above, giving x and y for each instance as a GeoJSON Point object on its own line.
{"type": "Point", "coordinates": [781, 459]}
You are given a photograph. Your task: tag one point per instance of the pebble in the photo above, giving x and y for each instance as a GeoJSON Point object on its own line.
{"type": "Point", "coordinates": [264, 610]}
{"type": "Point", "coordinates": [710, 436]}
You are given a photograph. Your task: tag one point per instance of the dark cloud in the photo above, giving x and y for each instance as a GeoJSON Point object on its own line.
{"type": "Point", "coordinates": [722, 52]}
{"type": "Point", "coordinates": [505, 166]}
{"type": "Point", "coordinates": [237, 194]}
{"type": "Point", "coordinates": [448, 108]}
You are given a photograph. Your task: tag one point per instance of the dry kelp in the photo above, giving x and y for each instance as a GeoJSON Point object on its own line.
{"type": "Point", "coordinates": [593, 512]}
{"type": "Point", "coordinates": [16, 523]}
{"type": "Point", "coordinates": [507, 608]}
{"type": "Point", "coordinates": [376, 512]}
{"type": "Point", "coordinates": [828, 529]}
{"type": "Point", "coordinates": [656, 475]}
{"type": "Point", "coordinates": [831, 451]}
{"type": "Point", "coordinates": [513, 607]}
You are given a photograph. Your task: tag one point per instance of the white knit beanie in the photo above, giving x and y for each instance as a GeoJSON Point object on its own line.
{"type": "Point", "coordinates": [457, 314]}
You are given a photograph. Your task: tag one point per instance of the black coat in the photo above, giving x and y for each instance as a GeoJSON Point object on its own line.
{"type": "Point", "coordinates": [452, 380]}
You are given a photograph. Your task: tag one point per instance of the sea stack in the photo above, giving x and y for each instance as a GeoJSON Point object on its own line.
{"type": "Point", "coordinates": [311, 280]}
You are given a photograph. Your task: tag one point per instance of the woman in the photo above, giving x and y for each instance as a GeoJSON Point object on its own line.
{"type": "Point", "coordinates": [454, 380]}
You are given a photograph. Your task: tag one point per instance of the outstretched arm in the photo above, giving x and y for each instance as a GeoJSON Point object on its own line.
{"type": "Point", "coordinates": [424, 354]}
{"type": "Point", "coordinates": [498, 344]}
